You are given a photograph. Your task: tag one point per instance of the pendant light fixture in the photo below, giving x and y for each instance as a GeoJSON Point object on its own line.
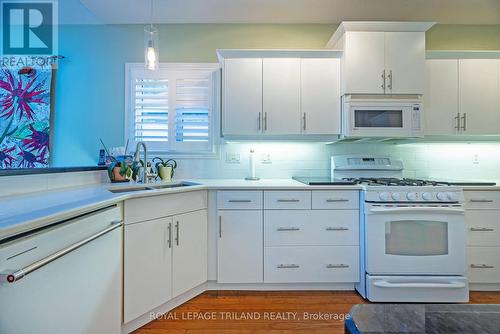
{"type": "Point", "coordinates": [151, 54]}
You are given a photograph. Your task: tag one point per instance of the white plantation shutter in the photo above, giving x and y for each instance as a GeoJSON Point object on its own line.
{"type": "Point", "coordinates": [172, 109]}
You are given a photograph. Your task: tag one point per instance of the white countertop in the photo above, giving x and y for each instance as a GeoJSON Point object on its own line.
{"type": "Point", "coordinates": [23, 213]}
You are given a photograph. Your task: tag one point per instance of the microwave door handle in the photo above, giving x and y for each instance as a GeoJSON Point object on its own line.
{"type": "Point", "coordinates": [418, 209]}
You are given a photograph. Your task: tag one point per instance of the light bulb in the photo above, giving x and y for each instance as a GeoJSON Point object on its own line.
{"type": "Point", "coordinates": [151, 58]}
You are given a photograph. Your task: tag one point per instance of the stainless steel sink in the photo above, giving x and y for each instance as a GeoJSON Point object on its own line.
{"type": "Point", "coordinates": [119, 190]}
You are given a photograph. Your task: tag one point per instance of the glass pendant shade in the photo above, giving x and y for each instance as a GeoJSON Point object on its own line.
{"type": "Point", "coordinates": [151, 54]}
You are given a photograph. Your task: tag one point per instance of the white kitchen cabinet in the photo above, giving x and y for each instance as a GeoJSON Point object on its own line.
{"type": "Point", "coordinates": [189, 258]}
{"type": "Point", "coordinates": [320, 96]}
{"type": "Point", "coordinates": [478, 96]}
{"type": "Point", "coordinates": [242, 96]}
{"type": "Point", "coordinates": [147, 267]}
{"type": "Point", "coordinates": [441, 97]}
{"type": "Point", "coordinates": [405, 62]}
{"type": "Point", "coordinates": [281, 96]}
{"type": "Point", "coordinates": [239, 246]}
{"type": "Point", "coordinates": [364, 63]}
{"type": "Point", "coordinates": [377, 62]}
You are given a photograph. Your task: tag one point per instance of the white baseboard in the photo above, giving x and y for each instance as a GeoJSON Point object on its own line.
{"type": "Point", "coordinates": [484, 286]}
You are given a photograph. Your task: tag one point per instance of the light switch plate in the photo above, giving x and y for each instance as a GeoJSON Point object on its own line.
{"type": "Point", "coordinates": [232, 158]}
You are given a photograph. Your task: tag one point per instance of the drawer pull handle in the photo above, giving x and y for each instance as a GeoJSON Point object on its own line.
{"type": "Point", "coordinates": [288, 266]}
{"type": "Point", "coordinates": [335, 266]}
{"type": "Point", "coordinates": [481, 200]}
{"type": "Point", "coordinates": [239, 201]}
{"type": "Point", "coordinates": [337, 229]}
{"type": "Point", "coordinates": [481, 229]}
{"type": "Point", "coordinates": [333, 200]}
{"type": "Point", "coordinates": [481, 266]}
{"type": "Point", "coordinates": [289, 200]}
{"type": "Point", "coordinates": [281, 229]}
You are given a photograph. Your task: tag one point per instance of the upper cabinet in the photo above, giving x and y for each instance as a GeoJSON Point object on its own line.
{"type": "Point", "coordinates": [382, 57]}
{"type": "Point", "coordinates": [462, 96]}
{"type": "Point", "coordinates": [280, 94]}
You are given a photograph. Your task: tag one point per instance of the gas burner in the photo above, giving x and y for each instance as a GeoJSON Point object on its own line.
{"type": "Point", "coordinates": [372, 181]}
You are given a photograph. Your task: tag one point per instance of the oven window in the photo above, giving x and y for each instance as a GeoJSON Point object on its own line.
{"type": "Point", "coordinates": [416, 238]}
{"type": "Point", "coordinates": [378, 118]}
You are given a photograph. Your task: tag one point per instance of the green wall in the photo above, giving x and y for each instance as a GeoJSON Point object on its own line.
{"type": "Point", "coordinates": [463, 37]}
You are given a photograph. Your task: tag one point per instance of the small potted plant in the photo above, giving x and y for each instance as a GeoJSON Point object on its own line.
{"type": "Point", "coordinates": [119, 169]}
{"type": "Point", "coordinates": [165, 169]}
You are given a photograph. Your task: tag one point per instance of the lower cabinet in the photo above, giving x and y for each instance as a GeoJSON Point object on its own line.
{"type": "Point", "coordinates": [162, 259]}
{"type": "Point", "coordinates": [239, 246]}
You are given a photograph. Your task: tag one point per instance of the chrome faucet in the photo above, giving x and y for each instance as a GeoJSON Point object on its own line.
{"type": "Point", "coordinates": [145, 160]}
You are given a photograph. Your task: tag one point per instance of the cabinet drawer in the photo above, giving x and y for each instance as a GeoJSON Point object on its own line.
{"type": "Point", "coordinates": [319, 264]}
{"type": "Point", "coordinates": [482, 199]}
{"type": "Point", "coordinates": [325, 199]}
{"type": "Point", "coordinates": [311, 227]}
{"type": "Point", "coordinates": [483, 264]}
{"type": "Point", "coordinates": [153, 207]}
{"type": "Point", "coordinates": [287, 200]}
{"type": "Point", "coordinates": [483, 227]}
{"type": "Point", "coordinates": [239, 200]}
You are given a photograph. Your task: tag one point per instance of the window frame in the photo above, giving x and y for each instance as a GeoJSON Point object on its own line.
{"type": "Point", "coordinates": [172, 71]}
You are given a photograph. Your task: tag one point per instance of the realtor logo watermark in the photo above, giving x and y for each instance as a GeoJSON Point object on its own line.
{"type": "Point", "coordinates": [29, 32]}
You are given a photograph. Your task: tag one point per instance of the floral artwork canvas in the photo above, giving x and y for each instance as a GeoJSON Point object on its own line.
{"type": "Point", "coordinates": [24, 117]}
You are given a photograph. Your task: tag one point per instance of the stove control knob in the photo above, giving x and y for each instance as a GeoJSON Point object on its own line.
{"type": "Point", "coordinates": [452, 197]}
{"type": "Point", "coordinates": [396, 196]}
{"type": "Point", "coordinates": [385, 196]}
{"type": "Point", "coordinates": [411, 196]}
{"type": "Point", "coordinates": [427, 196]}
{"type": "Point", "coordinates": [441, 196]}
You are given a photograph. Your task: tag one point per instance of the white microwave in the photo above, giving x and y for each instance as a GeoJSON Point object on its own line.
{"type": "Point", "coordinates": [366, 117]}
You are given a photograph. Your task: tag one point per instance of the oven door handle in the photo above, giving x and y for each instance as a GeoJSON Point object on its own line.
{"type": "Point", "coordinates": [450, 285]}
{"type": "Point", "coordinates": [457, 211]}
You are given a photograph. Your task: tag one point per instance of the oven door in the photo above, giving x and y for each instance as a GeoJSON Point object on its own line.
{"type": "Point", "coordinates": [380, 121]}
{"type": "Point", "coordinates": [414, 240]}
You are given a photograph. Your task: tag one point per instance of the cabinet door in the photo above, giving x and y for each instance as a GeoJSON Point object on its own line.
{"type": "Point", "coordinates": [441, 97]}
{"type": "Point", "coordinates": [364, 63]}
{"type": "Point", "coordinates": [242, 107]}
{"type": "Point", "coordinates": [320, 96]}
{"type": "Point", "coordinates": [147, 267]}
{"type": "Point", "coordinates": [239, 247]}
{"type": "Point", "coordinates": [478, 96]}
{"type": "Point", "coordinates": [405, 62]}
{"type": "Point", "coordinates": [281, 96]}
{"type": "Point", "coordinates": [189, 251]}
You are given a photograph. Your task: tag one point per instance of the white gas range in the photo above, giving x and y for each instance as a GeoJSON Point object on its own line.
{"type": "Point", "coordinates": [412, 233]}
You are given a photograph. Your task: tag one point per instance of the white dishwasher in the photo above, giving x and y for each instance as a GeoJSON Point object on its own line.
{"type": "Point", "coordinates": [66, 278]}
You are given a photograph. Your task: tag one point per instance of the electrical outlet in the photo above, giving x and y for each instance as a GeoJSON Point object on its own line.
{"type": "Point", "coordinates": [232, 158]}
{"type": "Point", "coordinates": [266, 158]}
{"type": "Point", "coordinates": [475, 160]}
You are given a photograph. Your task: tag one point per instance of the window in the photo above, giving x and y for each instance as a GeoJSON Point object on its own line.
{"type": "Point", "coordinates": [173, 109]}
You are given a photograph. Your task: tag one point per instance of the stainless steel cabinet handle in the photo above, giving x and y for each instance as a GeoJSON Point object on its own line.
{"type": "Point", "coordinates": [169, 235]}
{"type": "Point", "coordinates": [390, 79]}
{"type": "Point", "coordinates": [337, 229]}
{"type": "Point", "coordinates": [177, 233]}
{"type": "Point", "coordinates": [14, 276]}
{"type": "Point", "coordinates": [288, 266]}
{"type": "Point", "coordinates": [481, 229]}
{"type": "Point", "coordinates": [220, 226]}
{"type": "Point", "coordinates": [334, 266]}
{"type": "Point", "coordinates": [288, 200]}
{"type": "Point", "coordinates": [260, 121]}
{"type": "Point", "coordinates": [481, 266]}
{"type": "Point", "coordinates": [239, 201]}
{"type": "Point", "coordinates": [265, 121]}
{"type": "Point", "coordinates": [457, 119]}
{"type": "Point", "coordinates": [464, 124]}
{"type": "Point", "coordinates": [304, 121]}
{"type": "Point", "coordinates": [480, 200]}
{"type": "Point", "coordinates": [335, 200]}
{"type": "Point", "coordinates": [383, 80]}
{"type": "Point", "coordinates": [287, 229]}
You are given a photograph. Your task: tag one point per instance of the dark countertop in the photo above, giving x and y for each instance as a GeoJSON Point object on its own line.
{"type": "Point", "coordinates": [424, 319]}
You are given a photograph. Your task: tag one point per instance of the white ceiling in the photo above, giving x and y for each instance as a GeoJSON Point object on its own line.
{"type": "Point", "coordinates": [295, 11]}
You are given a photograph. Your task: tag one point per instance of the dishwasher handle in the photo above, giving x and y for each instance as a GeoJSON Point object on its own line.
{"type": "Point", "coordinates": [15, 275]}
